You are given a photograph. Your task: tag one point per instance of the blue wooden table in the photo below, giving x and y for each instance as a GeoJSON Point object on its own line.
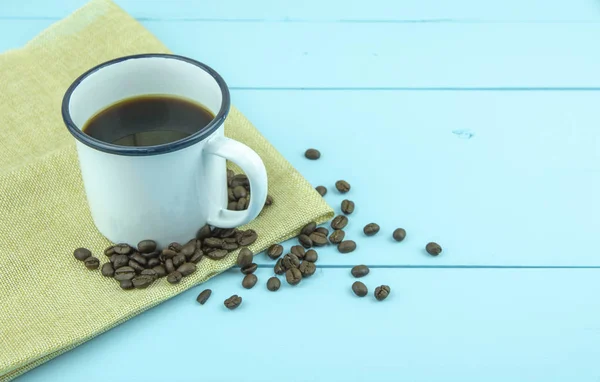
{"type": "Point", "coordinates": [472, 123]}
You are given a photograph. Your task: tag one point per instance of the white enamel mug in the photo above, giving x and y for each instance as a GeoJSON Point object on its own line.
{"type": "Point", "coordinates": [164, 192]}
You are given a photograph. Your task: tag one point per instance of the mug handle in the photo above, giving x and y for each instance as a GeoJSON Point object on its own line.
{"type": "Point", "coordinates": [253, 166]}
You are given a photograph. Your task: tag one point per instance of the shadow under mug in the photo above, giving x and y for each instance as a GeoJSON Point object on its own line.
{"type": "Point", "coordinates": [164, 192]}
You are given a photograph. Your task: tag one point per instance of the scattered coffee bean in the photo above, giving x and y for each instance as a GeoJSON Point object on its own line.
{"type": "Point", "coordinates": [152, 263]}
{"type": "Point", "coordinates": [168, 254]}
{"type": "Point", "coordinates": [339, 222]}
{"type": "Point", "coordinates": [269, 200]}
{"type": "Point", "coordinates": [311, 255]}
{"type": "Point", "coordinates": [186, 269]}
{"type": "Point", "coordinates": [240, 192]}
{"type": "Point", "coordinates": [124, 273]}
{"type": "Point", "coordinates": [178, 260]}
{"type": "Point", "coordinates": [217, 254]}
{"type": "Point", "coordinates": [204, 232]}
{"type": "Point", "coordinates": [123, 249]}
{"type": "Point", "coordinates": [135, 265]}
{"type": "Point", "coordinates": [91, 263]}
{"type": "Point", "coordinates": [160, 271]}
{"type": "Point", "coordinates": [371, 229]}
{"type": "Point", "coordinates": [213, 242]}
{"type": "Point", "coordinates": [298, 250]}
{"type": "Point", "coordinates": [433, 249]}
{"type": "Point", "coordinates": [279, 268]}
{"type": "Point", "coordinates": [275, 251]}
{"type": "Point", "coordinates": [175, 247]}
{"type": "Point", "coordinates": [318, 239]}
{"type": "Point", "coordinates": [309, 228]}
{"type": "Point", "coordinates": [204, 296]}
{"type": "Point", "coordinates": [360, 271]}
{"type": "Point", "coordinates": [322, 230]}
{"type": "Point", "coordinates": [230, 246]}
{"type": "Point", "coordinates": [347, 206]}
{"type": "Point", "coordinates": [169, 267]}
{"type": "Point", "coordinates": [293, 276]}
{"type": "Point", "coordinates": [188, 249]}
{"type": "Point", "coordinates": [241, 204]}
{"type": "Point", "coordinates": [126, 284]}
{"type": "Point", "coordinates": [197, 256]}
{"type": "Point", "coordinates": [337, 236]}
{"type": "Point", "coordinates": [321, 190]}
{"type": "Point", "coordinates": [381, 292]}
{"type": "Point", "coordinates": [233, 302]}
{"type": "Point", "coordinates": [174, 277]}
{"type": "Point", "coordinates": [108, 252]}
{"type": "Point", "coordinates": [244, 257]}
{"type": "Point", "coordinates": [305, 241]}
{"type": "Point", "coordinates": [342, 186]}
{"type": "Point", "coordinates": [146, 246]}
{"type": "Point", "coordinates": [290, 261]}
{"type": "Point", "coordinates": [307, 268]}
{"type": "Point", "coordinates": [399, 234]}
{"type": "Point", "coordinates": [139, 258]}
{"type": "Point", "coordinates": [250, 268]}
{"type": "Point", "coordinates": [120, 261]}
{"type": "Point", "coordinates": [359, 289]}
{"type": "Point", "coordinates": [249, 281]}
{"type": "Point", "coordinates": [312, 154]}
{"type": "Point", "coordinates": [346, 246]}
{"type": "Point", "coordinates": [273, 284]}
{"type": "Point", "coordinates": [107, 270]}
{"type": "Point", "coordinates": [149, 272]}
{"type": "Point", "coordinates": [82, 253]}
{"type": "Point", "coordinates": [247, 237]}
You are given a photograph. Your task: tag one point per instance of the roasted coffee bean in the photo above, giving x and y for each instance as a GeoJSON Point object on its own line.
{"type": "Point", "coordinates": [293, 276]}
{"type": "Point", "coordinates": [274, 251]}
{"type": "Point", "coordinates": [347, 206]}
{"type": "Point", "coordinates": [188, 249]}
{"type": "Point", "coordinates": [230, 240]}
{"type": "Point", "coordinates": [322, 230]}
{"type": "Point", "coordinates": [152, 263]}
{"type": "Point", "coordinates": [381, 292]}
{"type": "Point", "coordinates": [204, 296]}
{"type": "Point", "coordinates": [307, 268]}
{"type": "Point", "coordinates": [269, 200]}
{"type": "Point", "coordinates": [337, 236]}
{"type": "Point", "coordinates": [168, 254]}
{"type": "Point", "coordinates": [126, 284]}
{"type": "Point", "coordinates": [224, 233]}
{"type": "Point", "coordinates": [107, 270]}
{"type": "Point", "coordinates": [312, 154]}
{"type": "Point", "coordinates": [339, 222]}
{"type": "Point", "coordinates": [230, 174]}
{"type": "Point", "coordinates": [124, 273]}
{"type": "Point", "coordinates": [250, 268]}
{"type": "Point", "coordinates": [298, 250]}
{"type": "Point", "coordinates": [204, 232]}
{"type": "Point", "coordinates": [244, 257]}
{"type": "Point", "coordinates": [91, 263]}
{"type": "Point", "coordinates": [169, 267]}
{"type": "Point", "coordinates": [197, 256]}
{"type": "Point", "coordinates": [249, 281]}
{"type": "Point", "coordinates": [186, 269]}
{"type": "Point", "coordinates": [359, 289]}
{"type": "Point", "coordinates": [82, 253]}
{"type": "Point", "coordinates": [240, 180]}
{"type": "Point", "coordinates": [119, 261]}
{"type": "Point", "coordinates": [230, 246]}
{"type": "Point", "coordinates": [174, 277]}
{"type": "Point", "coordinates": [197, 243]}
{"type": "Point", "coordinates": [151, 255]}
{"type": "Point", "coordinates": [233, 302]}
{"type": "Point", "coordinates": [360, 271]}
{"type": "Point", "coordinates": [135, 265]}
{"type": "Point", "coordinates": [146, 246]}
{"type": "Point", "coordinates": [174, 246]}
{"type": "Point", "coordinates": [290, 261]}
{"type": "Point", "coordinates": [178, 260]}
{"type": "Point", "coordinates": [305, 241]}
{"type": "Point", "coordinates": [342, 186]}
{"type": "Point", "coordinates": [433, 249]}
{"type": "Point", "coordinates": [318, 239]}
{"type": "Point", "coordinates": [247, 237]}
{"type": "Point", "coordinates": [321, 190]}
{"type": "Point", "coordinates": [212, 242]}
{"type": "Point", "coordinates": [149, 272]}
{"type": "Point", "coordinates": [311, 255]}
{"type": "Point", "coordinates": [346, 246]}
{"type": "Point", "coordinates": [160, 271]}
{"type": "Point", "coordinates": [108, 252]}
{"type": "Point", "coordinates": [240, 192]}
{"type": "Point", "coordinates": [123, 249]}
{"type": "Point", "coordinates": [371, 229]}
{"type": "Point", "coordinates": [217, 254]}
{"type": "Point", "coordinates": [309, 228]}
{"type": "Point", "coordinates": [273, 284]}
{"type": "Point", "coordinates": [232, 206]}
{"type": "Point", "coordinates": [139, 258]}
{"type": "Point", "coordinates": [278, 268]}
{"type": "Point", "coordinates": [230, 195]}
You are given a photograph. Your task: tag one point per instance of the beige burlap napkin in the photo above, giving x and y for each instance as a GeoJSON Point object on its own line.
{"type": "Point", "coordinates": [49, 303]}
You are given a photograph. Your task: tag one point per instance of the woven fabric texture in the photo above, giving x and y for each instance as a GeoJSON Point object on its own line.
{"type": "Point", "coordinates": [49, 302]}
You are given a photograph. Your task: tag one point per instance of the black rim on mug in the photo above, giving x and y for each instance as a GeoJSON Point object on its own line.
{"type": "Point", "coordinates": [146, 150]}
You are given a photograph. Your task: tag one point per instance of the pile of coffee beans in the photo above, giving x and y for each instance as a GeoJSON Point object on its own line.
{"type": "Point", "coordinates": [238, 192]}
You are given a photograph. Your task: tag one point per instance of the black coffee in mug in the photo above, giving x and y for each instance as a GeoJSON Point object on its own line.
{"type": "Point", "coordinates": [148, 120]}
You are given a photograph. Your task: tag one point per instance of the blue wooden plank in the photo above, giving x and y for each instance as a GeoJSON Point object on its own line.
{"type": "Point", "coordinates": [522, 191]}
{"type": "Point", "coordinates": [316, 10]}
{"type": "Point", "coordinates": [437, 325]}
{"type": "Point", "coordinates": [378, 55]}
